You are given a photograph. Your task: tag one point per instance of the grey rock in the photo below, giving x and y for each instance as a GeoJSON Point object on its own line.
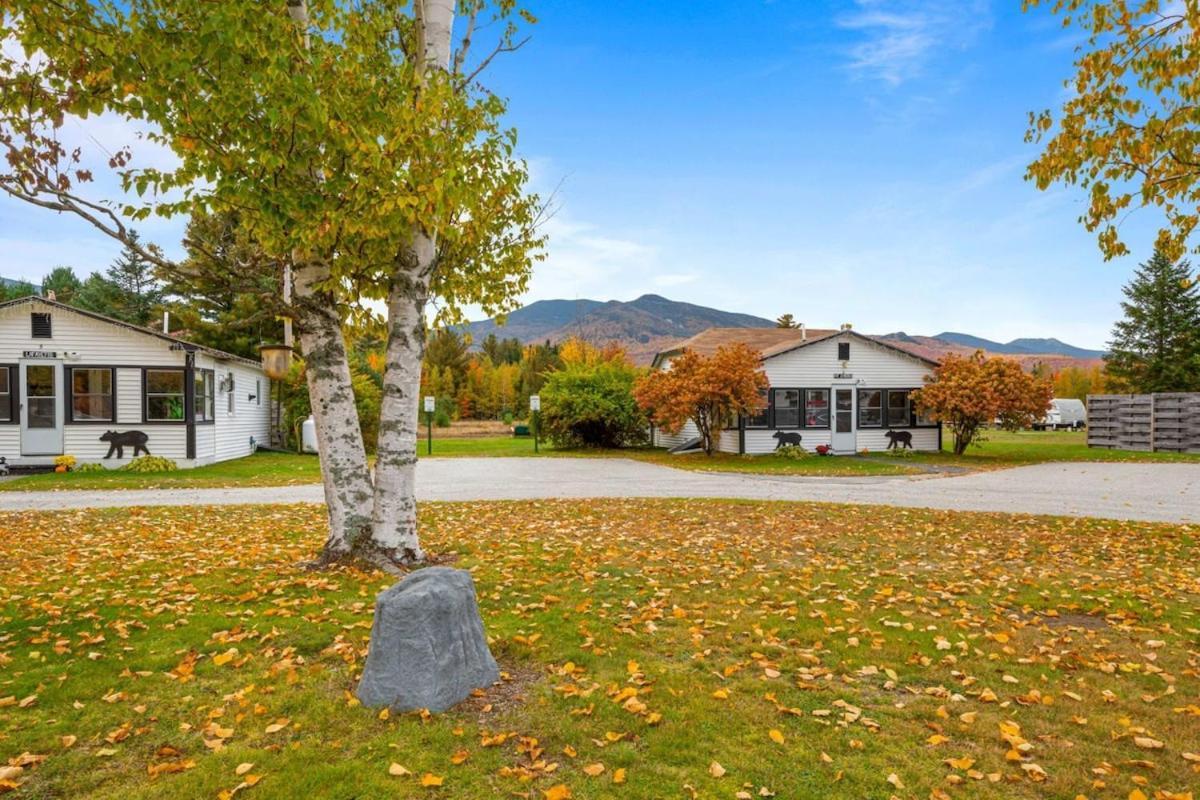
{"type": "Point", "coordinates": [428, 649]}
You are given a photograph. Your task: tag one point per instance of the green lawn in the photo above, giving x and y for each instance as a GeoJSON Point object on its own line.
{"type": "Point", "coordinates": [669, 649]}
{"type": "Point", "coordinates": [1002, 449]}
{"type": "Point", "coordinates": [1014, 448]}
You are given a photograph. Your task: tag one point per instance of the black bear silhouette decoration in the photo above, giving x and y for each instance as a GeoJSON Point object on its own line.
{"type": "Point", "coordinates": [782, 439]}
{"type": "Point", "coordinates": [903, 438]}
{"type": "Point", "coordinates": [117, 442]}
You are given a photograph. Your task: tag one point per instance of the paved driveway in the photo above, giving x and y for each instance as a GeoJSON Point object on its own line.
{"type": "Point", "coordinates": [1153, 492]}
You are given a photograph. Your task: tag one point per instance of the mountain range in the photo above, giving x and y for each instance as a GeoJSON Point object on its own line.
{"type": "Point", "coordinates": [652, 323]}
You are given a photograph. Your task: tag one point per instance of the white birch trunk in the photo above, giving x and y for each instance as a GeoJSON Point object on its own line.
{"type": "Point", "coordinates": [395, 511]}
{"type": "Point", "coordinates": [344, 471]}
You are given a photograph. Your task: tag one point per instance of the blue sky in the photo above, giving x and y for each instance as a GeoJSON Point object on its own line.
{"type": "Point", "coordinates": [845, 161]}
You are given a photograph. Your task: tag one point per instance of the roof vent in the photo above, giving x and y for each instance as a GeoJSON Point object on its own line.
{"type": "Point", "coordinates": [40, 325]}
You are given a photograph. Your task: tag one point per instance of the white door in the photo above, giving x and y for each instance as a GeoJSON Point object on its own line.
{"type": "Point", "coordinates": [843, 438]}
{"type": "Point", "coordinates": [41, 389]}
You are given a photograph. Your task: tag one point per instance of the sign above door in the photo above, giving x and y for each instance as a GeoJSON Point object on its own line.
{"type": "Point", "coordinates": [39, 354]}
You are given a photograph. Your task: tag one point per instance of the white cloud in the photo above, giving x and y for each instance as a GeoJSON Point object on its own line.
{"type": "Point", "coordinates": [900, 37]}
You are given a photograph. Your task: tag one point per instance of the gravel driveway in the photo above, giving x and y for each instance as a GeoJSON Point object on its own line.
{"type": "Point", "coordinates": [1152, 492]}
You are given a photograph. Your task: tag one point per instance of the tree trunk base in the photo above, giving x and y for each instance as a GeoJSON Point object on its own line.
{"type": "Point", "coordinates": [366, 555]}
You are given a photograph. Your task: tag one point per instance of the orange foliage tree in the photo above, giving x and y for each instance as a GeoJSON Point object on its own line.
{"type": "Point", "coordinates": [967, 393]}
{"type": "Point", "coordinates": [710, 391]}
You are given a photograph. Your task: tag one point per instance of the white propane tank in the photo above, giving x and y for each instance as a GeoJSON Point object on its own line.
{"type": "Point", "coordinates": [308, 436]}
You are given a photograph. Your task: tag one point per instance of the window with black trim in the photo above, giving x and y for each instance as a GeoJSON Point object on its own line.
{"type": "Point", "coordinates": [39, 323]}
{"type": "Point", "coordinates": [204, 396]}
{"type": "Point", "coordinates": [899, 409]}
{"type": "Point", "coordinates": [763, 418]}
{"type": "Point", "coordinates": [870, 408]}
{"type": "Point", "coordinates": [816, 408]}
{"type": "Point", "coordinates": [231, 399]}
{"type": "Point", "coordinates": [843, 351]}
{"type": "Point", "coordinates": [6, 395]}
{"type": "Point", "coordinates": [787, 408]}
{"type": "Point", "coordinates": [93, 398]}
{"type": "Point", "coordinates": [163, 395]}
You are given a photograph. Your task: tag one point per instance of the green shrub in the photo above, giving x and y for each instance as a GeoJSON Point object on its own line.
{"type": "Point", "coordinates": [899, 452]}
{"type": "Point", "coordinates": [793, 451]}
{"type": "Point", "coordinates": [441, 418]}
{"type": "Point", "coordinates": [508, 418]}
{"type": "Point", "coordinates": [150, 464]}
{"type": "Point", "coordinates": [91, 466]}
{"type": "Point", "coordinates": [592, 405]}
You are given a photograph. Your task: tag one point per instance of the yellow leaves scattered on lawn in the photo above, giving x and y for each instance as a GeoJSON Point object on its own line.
{"type": "Point", "coordinates": [618, 775]}
{"type": "Point", "coordinates": [594, 770]}
{"type": "Point", "coordinates": [962, 763]}
{"type": "Point", "coordinates": [397, 770]}
{"type": "Point", "coordinates": [721, 694]}
{"type": "Point", "coordinates": [558, 792]}
{"type": "Point", "coordinates": [222, 659]}
{"type": "Point", "coordinates": [278, 725]}
{"type": "Point", "coordinates": [429, 780]}
{"type": "Point", "coordinates": [776, 735]}
{"type": "Point", "coordinates": [1147, 743]}
{"type": "Point", "coordinates": [716, 770]}
{"type": "Point", "coordinates": [894, 780]}
{"type": "Point", "coordinates": [243, 768]}
{"type": "Point", "coordinates": [460, 756]}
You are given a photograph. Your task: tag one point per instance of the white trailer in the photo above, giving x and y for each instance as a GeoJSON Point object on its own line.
{"type": "Point", "coordinates": [1064, 412]}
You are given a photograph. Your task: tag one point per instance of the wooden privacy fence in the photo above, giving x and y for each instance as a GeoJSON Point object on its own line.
{"type": "Point", "coordinates": [1154, 422]}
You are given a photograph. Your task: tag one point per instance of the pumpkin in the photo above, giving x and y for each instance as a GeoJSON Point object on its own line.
{"type": "Point", "coordinates": [61, 468]}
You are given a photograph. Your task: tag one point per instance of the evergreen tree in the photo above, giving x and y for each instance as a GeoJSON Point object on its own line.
{"type": "Point", "coordinates": [786, 321]}
{"type": "Point", "coordinates": [64, 283]}
{"type": "Point", "coordinates": [227, 293]}
{"type": "Point", "coordinates": [13, 290]}
{"type": "Point", "coordinates": [138, 291]}
{"type": "Point", "coordinates": [1156, 347]}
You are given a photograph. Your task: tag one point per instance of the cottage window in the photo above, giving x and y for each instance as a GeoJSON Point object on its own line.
{"type": "Point", "coordinates": [39, 322]}
{"type": "Point", "coordinates": [899, 409]}
{"type": "Point", "coordinates": [164, 395]}
{"type": "Point", "coordinates": [816, 408]}
{"type": "Point", "coordinates": [843, 351]}
{"type": "Point", "coordinates": [203, 396]}
{"type": "Point", "coordinates": [787, 408]}
{"type": "Point", "coordinates": [870, 408]}
{"type": "Point", "coordinates": [92, 394]}
{"type": "Point", "coordinates": [6, 403]}
{"type": "Point", "coordinates": [763, 418]}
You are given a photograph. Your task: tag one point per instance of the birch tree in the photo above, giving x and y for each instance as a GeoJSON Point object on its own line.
{"type": "Point", "coordinates": [355, 143]}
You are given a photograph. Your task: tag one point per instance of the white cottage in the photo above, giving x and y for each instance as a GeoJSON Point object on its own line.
{"type": "Point", "coordinates": [829, 387]}
{"type": "Point", "coordinates": [78, 383]}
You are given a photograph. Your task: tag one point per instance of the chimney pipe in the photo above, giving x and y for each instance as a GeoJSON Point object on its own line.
{"type": "Point", "coordinates": [166, 322]}
{"type": "Point", "coordinates": [803, 332]}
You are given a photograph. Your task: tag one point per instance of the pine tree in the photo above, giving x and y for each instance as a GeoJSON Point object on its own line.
{"type": "Point", "coordinates": [1156, 347]}
{"type": "Point", "coordinates": [139, 290]}
{"type": "Point", "coordinates": [786, 321]}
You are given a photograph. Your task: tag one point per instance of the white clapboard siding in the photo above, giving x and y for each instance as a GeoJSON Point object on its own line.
{"type": "Point", "coordinates": [250, 418]}
{"type": "Point", "coordinates": [814, 365]}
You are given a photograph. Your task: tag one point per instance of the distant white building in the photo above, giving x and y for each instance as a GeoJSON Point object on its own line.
{"type": "Point", "coordinates": [77, 383]}
{"type": "Point", "coordinates": [831, 387]}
